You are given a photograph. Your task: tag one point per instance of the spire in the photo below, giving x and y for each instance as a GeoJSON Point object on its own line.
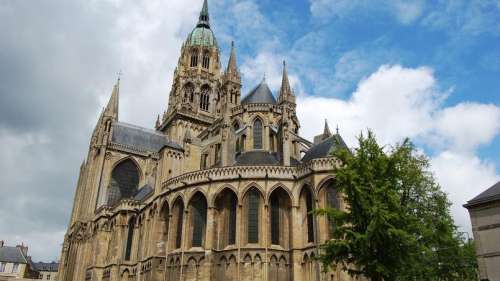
{"type": "Point", "coordinates": [326, 131]}
{"type": "Point", "coordinates": [285, 85]}
{"type": "Point", "coordinates": [112, 107]}
{"type": "Point", "coordinates": [204, 19]}
{"type": "Point", "coordinates": [232, 67]}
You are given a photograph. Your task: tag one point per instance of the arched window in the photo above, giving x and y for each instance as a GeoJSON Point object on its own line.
{"type": "Point", "coordinates": [124, 181]}
{"type": "Point", "coordinates": [189, 92]}
{"type": "Point", "coordinates": [206, 60]}
{"type": "Point", "coordinates": [332, 201]}
{"type": "Point", "coordinates": [205, 98]}
{"type": "Point", "coordinates": [257, 134]}
{"type": "Point", "coordinates": [226, 204]}
{"type": "Point", "coordinates": [198, 219]}
{"type": "Point", "coordinates": [275, 220]}
{"type": "Point", "coordinates": [279, 215]}
{"type": "Point", "coordinates": [253, 202]}
{"type": "Point", "coordinates": [130, 238]}
{"type": "Point", "coordinates": [309, 216]}
{"type": "Point", "coordinates": [194, 59]}
{"type": "Point", "coordinates": [177, 222]}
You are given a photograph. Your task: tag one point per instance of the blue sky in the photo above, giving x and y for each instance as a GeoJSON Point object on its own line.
{"type": "Point", "coordinates": [428, 70]}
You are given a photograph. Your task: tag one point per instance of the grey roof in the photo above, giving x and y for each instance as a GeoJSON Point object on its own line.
{"type": "Point", "coordinates": [141, 138]}
{"type": "Point", "coordinates": [261, 158]}
{"type": "Point", "coordinates": [143, 193]}
{"type": "Point", "coordinates": [12, 254]}
{"type": "Point", "coordinates": [46, 266]}
{"type": "Point", "coordinates": [324, 148]}
{"type": "Point", "coordinates": [489, 195]}
{"type": "Point", "coordinates": [260, 94]}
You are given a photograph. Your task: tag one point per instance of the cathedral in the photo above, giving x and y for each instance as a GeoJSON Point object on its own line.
{"type": "Point", "coordinates": [221, 189]}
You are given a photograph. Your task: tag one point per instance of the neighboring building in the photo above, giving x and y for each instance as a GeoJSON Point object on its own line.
{"type": "Point", "coordinates": [46, 270]}
{"type": "Point", "coordinates": [484, 211]}
{"type": "Point", "coordinates": [222, 189]}
{"type": "Point", "coordinates": [15, 262]}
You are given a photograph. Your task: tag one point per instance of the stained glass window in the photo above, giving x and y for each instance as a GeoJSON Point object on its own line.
{"type": "Point", "coordinates": [257, 134]}
{"type": "Point", "coordinates": [253, 216]}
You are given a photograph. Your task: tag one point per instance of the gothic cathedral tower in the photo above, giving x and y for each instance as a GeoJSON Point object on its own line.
{"type": "Point", "coordinates": [200, 92]}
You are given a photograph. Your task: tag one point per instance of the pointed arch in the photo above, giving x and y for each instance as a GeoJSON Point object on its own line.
{"type": "Point", "coordinates": [328, 198]}
{"type": "Point", "coordinates": [226, 204]}
{"type": "Point", "coordinates": [252, 213]}
{"type": "Point", "coordinates": [194, 58]}
{"type": "Point", "coordinates": [124, 181]}
{"type": "Point", "coordinates": [198, 219]}
{"type": "Point", "coordinates": [306, 206]}
{"type": "Point", "coordinates": [177, 222]}
{"type": "Point", "coordinates": [257, 129]}
{"type": "Point", "coordinates": [205, 98]}
{"type": "Point", "coordinates": [206, 60]}
{"type": "Point", "coordinates": [280, 205]}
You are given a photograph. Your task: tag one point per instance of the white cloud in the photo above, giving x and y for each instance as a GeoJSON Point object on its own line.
{"type": "Point", "coordinates": [463, 177]}
{"type": "Point", "coordinates": [398, 102]}
{"type": "Point", "coordinates": [467, 125]}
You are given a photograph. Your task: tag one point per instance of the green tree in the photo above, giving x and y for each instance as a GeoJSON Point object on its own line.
{"type": "Point", "coordinates": [397, 225]}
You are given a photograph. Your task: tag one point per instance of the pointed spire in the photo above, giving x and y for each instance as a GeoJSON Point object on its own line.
{"type": "Point", "coordinates": [286, 90]}
{"type": "Point", "coordinates": [112, 107]}
{"type": "Point", "coordinates": [232, 67]}
{"type": "Point", "coordinates": [326, 131]}
{"type": "Point", "coordinates": [204, 19]}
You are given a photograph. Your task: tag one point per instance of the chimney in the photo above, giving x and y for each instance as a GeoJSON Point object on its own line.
{"type": "Point", "coordinates": [23, 249]}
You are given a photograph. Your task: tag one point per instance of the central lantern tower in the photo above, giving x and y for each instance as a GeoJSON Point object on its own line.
{"type": "Point", "coordinates": [199, 91]}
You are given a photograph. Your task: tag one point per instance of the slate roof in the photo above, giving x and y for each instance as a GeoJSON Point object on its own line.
{"type": "Point", "coordinates": [12, 254]}
{"type": "Point", "coordinates": [143, 193]}
{"type": "Point", "coordinates": [324, 148]}
{"type": "Point", "coordinates": [46, 266]}
{"type": "Point", "coordinates": [260, 94]}
{"type": "Point", "coordinates": [141, 138]}
{"type": "Point", "coordinates": [261, 158]}
{"type": "Point", "coordinates": [489, 195]}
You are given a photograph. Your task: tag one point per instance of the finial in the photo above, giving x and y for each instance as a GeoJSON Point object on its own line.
{"type": "Point", "coordinates": [264, 77]}
{"type": "Point", "coordinates": [284, 63]}
{"type": "Point", "coordinates": [337, 129]}
{"type": "Point", "coordinates": [232, 43]}
{"type": "Point", "coordinates": [120, 73]}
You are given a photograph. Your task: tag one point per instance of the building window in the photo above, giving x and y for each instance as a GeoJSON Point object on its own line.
{"type": "Point", "coordinates": [199, 219]}
{"type": "Point", "coordinates": [15, 267]}
{"type": "Point", "coordinates": [310, 219]}
{"type": "Point", "coordinates": [257, 134]}
{"type": "Point", "coordinates": [48, 277]}
{"type": "Point", "coordinates": [206, 60]}
{"type": "Point", "coordinates": [332, 201]}
{"type": "Point", "coordinates": [253, 216]}
{"type": "Point", "coordinates": [275, 219]}
{"type": "Point", "coordinates": [124, 181]}
{"type": "Point", "coordinates": [2, 267]}
{"type": "Point", "coordinates": [180, 218]}
{"type": "Point", "coordinates": [205, 98]}
{"type": "Point", "coordinates": [194, 59]}
{"type": "Point", "coordinates": [130, 238]}
{"type": "Point", "coordinates": [204, 161]}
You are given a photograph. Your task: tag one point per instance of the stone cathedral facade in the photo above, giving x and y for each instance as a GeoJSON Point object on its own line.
{"type": "Point", "coordinates": [221, 189]}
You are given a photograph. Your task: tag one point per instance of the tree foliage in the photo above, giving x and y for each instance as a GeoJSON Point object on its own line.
{"type": "Point", "coordinates": [397, 225]}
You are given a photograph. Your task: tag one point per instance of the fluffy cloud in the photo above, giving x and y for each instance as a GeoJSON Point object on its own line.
{"type": "Point", "coordinates": [397, 102]}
